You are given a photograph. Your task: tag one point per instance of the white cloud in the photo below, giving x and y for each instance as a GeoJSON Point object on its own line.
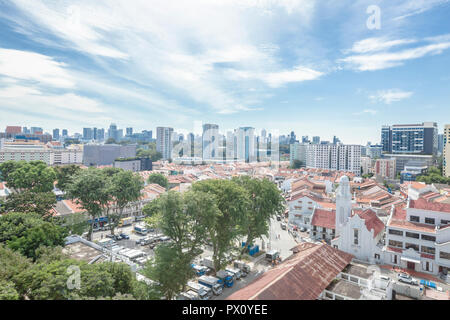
{"type": "Point", "coordinates": [378, 44]}
{"type": "Point", "coordinates": [389, 96]}
{"type": "Point", "coordinates": [384, 60]}
{"type": "Point", "coordinates": [25, 65]}
{"type": "Point", "coordinates": [298, 74]}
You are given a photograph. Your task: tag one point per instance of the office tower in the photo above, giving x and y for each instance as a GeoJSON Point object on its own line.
{"type": "Point", "coordinates": [305, 139]}
{"type": "Point", "coordinates": [129, 131]}
{"type": "Point", "coordinates": [119, 135]}
{"type": "Point", "coordinates": [292, 137]}
{"type": "Point", "coordinates": [101, 134]}
{"type": "Point", "coordinates": [210, 140]}
{"type": "Point", "coordinates": [87, 133]}
{"type": "Point", "coordinates": [316, 140]}
{"type": "Point", "coordinates": [410, 138]}
{"type": "Point", "coordinates": [55, 134]}
{"type": "Point", "coordinates": [263, 135]}
{"type": "Point", "coordinates": [446, 151]}
{"type": "Point", "coordinates": [246, 144]}
{"type": "Point", "coordinates": [65, 133]}
{"type": "Point", "coordinates": [112, 131]}
{"type": "Point", "coordinates": [180, 137]}
{"type": "Point", "coordinates": [164, 141]}
{"type": "Point", "coordinates": [94, 133]}
{"type": "Point", "coordinates": [440, 144]}
{"type": "Point", "coordinates": [297, 151]}
{"type": "Point", "coordinates": [25, 130]}
{"type": "Point", "coordinates": [36, 130]}
{"type": "Point", "coordinates": [336, 140]}
{"type": "Point", "coordinates": [94, 154]}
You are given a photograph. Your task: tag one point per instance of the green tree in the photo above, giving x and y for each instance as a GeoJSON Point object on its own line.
{"type": "Point", "coordinates": [110, 141]}
{"type": "Point", "coordinates": [7, 167]}
{"type": "Point", "coordinates": [33, 176]}
{"type": "Point", "coordinates": [64, 175]}
{"type": "Point", "coordinates": [169, 270]}
{"type": "Point", "coordinates": [8, 291]}
{"type": "Point", "coordinates": [17, 224]}
{"type": "Point", "coordinates": [224, 228]}
{"type": "Point", "coordinates": [91, 190]}
{"type": "Point", "coordinates": [126, 188]}
{"type": "Point", "coordinates": [158, 178]}
{"type": "Point", "coordinates": [265, 202]}
{"type": "Point", "coordinates": [41, 203]}
{"type": "Point", "coordinates": [46, 234]}
{"type": "Point", "coordinates": [12, 263]}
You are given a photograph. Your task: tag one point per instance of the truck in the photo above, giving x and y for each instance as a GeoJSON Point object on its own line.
{"type": "Point", "coordinates": [126, 221]}
{"type": "Point", "coordinates": [199, 270]}
{"type": "Point", "coordinates": [241, 265]}
{"type": "Point", "coordinates": [235, 272]}
{"type": "Point", "coordinates": [140, 229]}
{"type": "Point", "coordinates": [204, 292]}
{"type": "Point", "coordinates": [188, 295]}
{"type": "Point", "coordinates": [211, 282]}
{"type": "Point", "coordinates": [226, 277]}
{"type": "Point", "coordinates": [272, 255]}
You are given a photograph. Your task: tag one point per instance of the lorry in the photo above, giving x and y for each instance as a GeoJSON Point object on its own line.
{"type": "Point", "coordinates": [241, 265]}
{"type": "Point", "coordinates": [235, 272]}
{"type": "Point", "coordinates": [199, 270]}
{"type": "Point", "coordinates": [140, 229]}
{"type": "Point", "coordinates": [204, 292]}
{"type": "Point", "coordinates": [272, 255]}
{"type": "Point", "coordinates": [188, 295]}
{"type": "Point", "coordinates": [226, 277]}
{"type": "Point", "coordinates": [211, 282]}
{"type": "Point", "coordinates": [126, 221]}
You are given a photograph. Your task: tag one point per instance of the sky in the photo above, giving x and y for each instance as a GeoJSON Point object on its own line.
{"type": "Point", "coordinates": [319, 68]}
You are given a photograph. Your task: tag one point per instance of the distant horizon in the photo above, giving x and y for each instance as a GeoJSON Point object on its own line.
{"type": "Point", "coordinates": [318, 68]}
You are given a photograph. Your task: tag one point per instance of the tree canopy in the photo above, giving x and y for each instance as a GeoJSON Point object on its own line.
{"type": "Point", "coordinates": [158, 178]}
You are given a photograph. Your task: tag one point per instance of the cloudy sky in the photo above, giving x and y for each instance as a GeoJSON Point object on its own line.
{"type": "Point", "coordinates": [314, 67]}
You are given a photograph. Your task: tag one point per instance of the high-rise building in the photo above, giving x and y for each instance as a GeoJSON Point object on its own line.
{"type": "Point", "coordinates": [246, 149]}
{"type": "Point", "coordinates": [337, 157]}
{"type": "Point", "coordinates": [305, 139]}
{"type": "Point", "coordinates": [410, 138]}
{"type": "Point", "coordinates": [316, 140]}
{"type": "Point", "coordinates": [101, 134]}
{"type": "Point", "coordinates": [440, 144]}
{"type": "Point", "coordinates": [297, 151]}
{"type": "Point", "coordinates": [94, 133]}
{"type": "Point", "coordinates": [129, 131]}
{"type": "Point", "coordinates": [292, 137]}
{"type": "Point", "coordinates": [25, 130]}
{"type": "Point", "coordinates": [13, 130]}
{"type": "Point", "coordinates": [87, 133]}
{"type": "Point", "coordinates": [164, 141]}
{"type": "Point", "coordinates": [65, 133]}
{"type": "Point", "coordinates": [112, 131]}
{"type": "Point", "coordinates": [210, 141]}
{"type": "Point", "coordinates": [55, 134]}
{"type": "Point", "coordinates": [36, 130]}
{"type": "Point", "coordinates": [446, 151]}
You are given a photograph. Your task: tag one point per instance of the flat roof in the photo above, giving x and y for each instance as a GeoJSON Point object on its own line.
{"type": "Point", "coordinates": [81, 251]}
{"type": "Point", "coordinates": [357, 270]}
{"type": "Point", "coordinates": [345, 288]}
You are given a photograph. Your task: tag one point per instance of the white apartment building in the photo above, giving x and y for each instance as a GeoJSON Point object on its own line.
{"type": "Point", "coordinates": [334, 157]}
{"type": "Point", "coordinates": [446, 163]}
{"type": "Point", "coordinates": [164, 141]}
{"type": "Point", "coordinates": [418, 237]}
{"type": "Point", "coordinates": [366, 165]}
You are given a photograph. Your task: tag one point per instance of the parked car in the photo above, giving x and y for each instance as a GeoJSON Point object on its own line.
{"type": "Point", "coordinates": [406, 278]}
{"type": "Point", "coordinates": [283, 226]}
{"type": "Point", "coordinates": [279, 218]}
{"type": "Point", "coordinates": [302, 229]}
{"type": "Point", "coordinates": [125, 236]}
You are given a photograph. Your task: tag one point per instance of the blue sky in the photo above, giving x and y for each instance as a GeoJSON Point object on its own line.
{"type": "Point", "coordinates": [309, 66]}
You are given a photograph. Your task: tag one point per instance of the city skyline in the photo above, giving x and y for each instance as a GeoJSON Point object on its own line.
{"type": "Point", "coordinates": [314, 68]}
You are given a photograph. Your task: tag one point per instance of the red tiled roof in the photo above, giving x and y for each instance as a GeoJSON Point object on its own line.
{"type": "Point", "coordinates": [324, 218]}
{"type": "Point", "coordinates": [303, 276]}
{"type": "Point", "coordinates": [372, 221]}
{"type": "Point", "coordinates": [428, 205]}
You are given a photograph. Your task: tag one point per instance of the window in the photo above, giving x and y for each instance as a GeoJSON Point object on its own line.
{"type": "Point", "coordinates": [394, 259]}
{"type": "Point", "coordinates": [444, 222]}
{"type": "Point", "coordinates": [396, 232]}
{"type": "Point", "coordinates": [429, 238]}
{"type": "Point", "coordinates": [397, 244]}
{"type": "Point", "coordinates": [444, 255]}
{"type": "Point", "coordinates": [377, 256]}
{"type": "Point", "coordinates": [412, 245]}
{"type": "Point", "coordinates": [414, 219]}
{"type": "Point", "coordinates": [429, 250]}
{"type": "Point", "coordinates": [355, 236]}
{"type": "Point", "coordinates": [412, 235]}
{"type": "Point", "coordinates": [427, 266]}
{"type": "Point", "coordinates": [429, 220]}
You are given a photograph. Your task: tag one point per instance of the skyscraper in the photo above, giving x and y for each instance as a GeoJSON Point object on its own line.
{"type": "Point", "coordinates": [316, 140]}
{"type": "Point", "coordinates": [87, 133]}
{"type": "Point", "coordinates": [112, 131]}
{"type": "Point", "coordinates": [410, 138]}
{"type": "Point", "coordinates": [210, 140]}
{"type": "Point", "coordinates": [129, 131]}
{"type": "Point", "coordinates": [164, 141]}
{"type": "Point", "coordinates": [65, 133]}
{"type": "Point", "coordinates": [246, 149]}
{"type": "Point", "coordinates": [55, 134]}
{"type": "Point", "coordinates": [101, 134]}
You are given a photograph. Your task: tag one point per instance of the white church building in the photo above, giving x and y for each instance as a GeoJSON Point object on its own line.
{"type": "Point", "coordinates": [358, 231]}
